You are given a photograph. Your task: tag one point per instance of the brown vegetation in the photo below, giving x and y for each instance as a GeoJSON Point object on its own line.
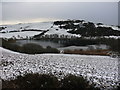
{"type": "Point", "coordinates": [88, 52]}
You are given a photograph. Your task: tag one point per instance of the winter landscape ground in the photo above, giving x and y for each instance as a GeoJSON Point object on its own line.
{"type": "Point", "coordinates": [96, 65]}
{"type": "Point", "coordinates": [102, 70]}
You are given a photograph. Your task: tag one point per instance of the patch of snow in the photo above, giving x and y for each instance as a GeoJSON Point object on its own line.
{"type": "Point", "coordinates": [96, 47]}
{"type": "Point", "coordinates": [115, 37]}
{"type": "Point", "coordinates": [19, 35]}
{"type": "Point", "coordinates": [74, 48]}
{"type": "Point", "coordinates": [58, 31]}
{"type": "Point", "coordinates": [112, 26]}
{"type": "Point", "coordinates": [8, 51]}
{"type": "Point", "coordinates": [115, 28]}
{"type": "Point", "coordinates": [76, 23]}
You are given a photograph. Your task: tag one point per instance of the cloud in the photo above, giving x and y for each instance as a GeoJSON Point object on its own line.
{"type": "Point", "coordinates": [106, 12]}
{"type": "Point", "coordinates": [59, 0]}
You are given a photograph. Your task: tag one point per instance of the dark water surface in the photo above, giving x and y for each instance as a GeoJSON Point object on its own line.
{"type": "Point", "coordinates": [39, 42]}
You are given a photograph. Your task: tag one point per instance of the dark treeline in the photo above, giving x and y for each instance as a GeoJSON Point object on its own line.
{"type": "Point", "coordinates": [38, 82]}
{"type": "Point", "coordinates": [113, 43]}
{"type": "Point", "coordinates": [68, 22]}
{"type": "Point", "coordinates": [99, 31]}
{"type": "Point", "coordinates": [33, 48]}
{"type": "Point", "coordinates": [86, 28]}
{"type": "Point", "coordinates": [29, 48]}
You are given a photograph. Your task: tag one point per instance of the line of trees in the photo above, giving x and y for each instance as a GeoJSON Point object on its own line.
{"type": "Point", "coordinates": [54, 36]}
{"type": "Point", "coordinates": [112, 43]}
{"type": "Point", "coordinates": [86, 28]}
{"type": "Point", "coordinates": [67, 22]}
{"type": "Point", "coordinates": [29, 48]}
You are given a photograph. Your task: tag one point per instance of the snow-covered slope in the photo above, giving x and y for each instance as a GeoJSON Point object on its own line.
{"type": "Point", "coordinates": [16, 31]}
{"type": "Point", "coordinates": [6, 50]}
{"type": "Point", "coordinates": [19, 35]}
{"type": "Point", "coordinates": [56, 30]}
{"type": "Point", "coordinates": [23, 30]}
{"type": "Point", "coordinates": [102, 70]}
{"type": "Point", "coordinates": [112, 26]}
{"type": "Point", "coordinates": [20, 26]}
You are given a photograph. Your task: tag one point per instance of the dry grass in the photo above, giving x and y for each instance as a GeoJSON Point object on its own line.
{"type": "Point", "coordinates": [88, 52]}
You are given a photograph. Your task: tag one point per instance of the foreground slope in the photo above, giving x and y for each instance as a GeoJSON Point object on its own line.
{"type": "Point", "coordinates": [102, 70]}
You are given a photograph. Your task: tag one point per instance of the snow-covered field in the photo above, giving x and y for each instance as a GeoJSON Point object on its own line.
{"type": "Point", "coordinates": [24, 26]}
{"type": "Point", "coordinates": [20, 26]}
{"type": "Point", "coordinates": [6, 33]}
{"type": "Point", "coordinates": [19, 35]}
{"type": "Point", "coordinates": [103, 70]}
{"type": "Point", "coordinates": [53, 29]}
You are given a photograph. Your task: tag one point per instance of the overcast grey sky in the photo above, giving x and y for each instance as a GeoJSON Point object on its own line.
{"type": "Point", "coordinates": [15, 12]}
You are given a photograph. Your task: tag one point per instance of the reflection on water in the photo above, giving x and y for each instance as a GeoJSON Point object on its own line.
{"type": "Point", "coordinates": [39, 42]}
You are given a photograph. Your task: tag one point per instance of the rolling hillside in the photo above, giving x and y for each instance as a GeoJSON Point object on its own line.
{"type": "Point", "coordinates": [75, 28]}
